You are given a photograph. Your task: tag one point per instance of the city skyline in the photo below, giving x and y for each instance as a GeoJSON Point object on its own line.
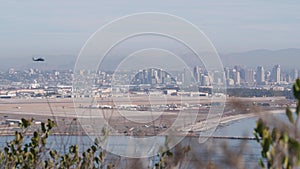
{"type": "Point", "coordinates": [238, 74]}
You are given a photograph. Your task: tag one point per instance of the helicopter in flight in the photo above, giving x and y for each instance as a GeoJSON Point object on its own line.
{"type": "Point", "coordinates": [38, 59]}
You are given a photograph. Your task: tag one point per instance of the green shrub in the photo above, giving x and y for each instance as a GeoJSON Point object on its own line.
{"type": "Point", "coordinates": [19, 154]}
{"type": "Point", "coordinates": [280, 147]}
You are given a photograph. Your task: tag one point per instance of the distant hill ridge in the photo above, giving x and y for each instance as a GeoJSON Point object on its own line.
{"type": "Point", "coordinates": [288, 58]}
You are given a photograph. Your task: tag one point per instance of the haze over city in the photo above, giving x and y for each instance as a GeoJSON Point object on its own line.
{"type": "Point", "coordinates": [61, 28]}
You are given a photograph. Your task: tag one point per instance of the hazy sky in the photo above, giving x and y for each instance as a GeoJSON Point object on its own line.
{"type": "Point", "coordinates": [29, 28]}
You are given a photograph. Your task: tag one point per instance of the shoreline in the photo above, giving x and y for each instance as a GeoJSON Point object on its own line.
{"type": "Point", "coordinates": [201, 127]}
{"type": "Point", "coordinates": [232, 118]}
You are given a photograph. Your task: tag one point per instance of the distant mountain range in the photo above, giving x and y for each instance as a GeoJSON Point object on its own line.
{"type": "Point", "coordinates": [287, 58]}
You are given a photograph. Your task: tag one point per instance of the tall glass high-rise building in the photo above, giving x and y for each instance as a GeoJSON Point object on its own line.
{"type": "Point", "coordinates": [249, 76]}
{"type": "Point", "coordinates": [260, 75]}
{"type": "Point", "coordinates": [295, 74]}
{"type": "Point", "coordinates": [276, 74]}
